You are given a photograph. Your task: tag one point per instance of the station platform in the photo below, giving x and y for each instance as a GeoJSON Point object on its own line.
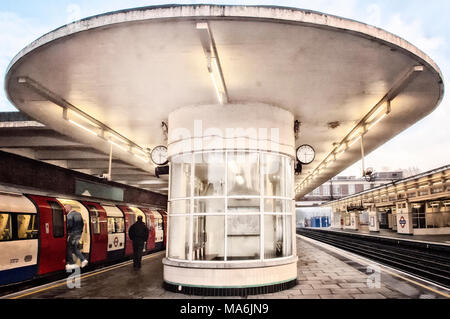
{"type": "Point", "coordinates": [387, 233]}
{"type": "Point", "coordinates": [324, 272]}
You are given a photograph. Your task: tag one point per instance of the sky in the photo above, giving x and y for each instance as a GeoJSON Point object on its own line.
{"type": "Point", "coordinates": [425, 145]}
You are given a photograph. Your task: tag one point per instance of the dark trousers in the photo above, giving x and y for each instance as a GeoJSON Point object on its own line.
{"type": "Point", "coordinates": [72, 248]}
{"type": "Point", "coordinates": [138, 248]}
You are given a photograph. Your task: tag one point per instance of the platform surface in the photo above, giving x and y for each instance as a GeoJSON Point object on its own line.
{"type": "Point", "coordinates": [323, 273]}
{"type": "Point", "coordinates": [364, 230]}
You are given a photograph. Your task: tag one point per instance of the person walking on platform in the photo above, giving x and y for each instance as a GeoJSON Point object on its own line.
{"type": "Point", "coordinates": [138, 233]}
{"type": "Point", "coordinates": [75, 226]}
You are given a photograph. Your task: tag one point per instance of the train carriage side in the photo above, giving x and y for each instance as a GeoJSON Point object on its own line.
{"type": "Point", "coordinates": [52, 235]}
{"type": "Point", "coordinates": [164, 216]}
{"type": "Point", "coordinates": [19, 233]}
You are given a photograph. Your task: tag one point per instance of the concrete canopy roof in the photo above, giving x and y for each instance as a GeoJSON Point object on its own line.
{"type": "Point", "coordinates": [129, 69]}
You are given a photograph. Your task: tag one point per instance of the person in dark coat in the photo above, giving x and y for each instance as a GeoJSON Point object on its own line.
{"type": "Point", "coordinates": [138, 233]}
{"type": "Point", "coordinates": [75, 225]}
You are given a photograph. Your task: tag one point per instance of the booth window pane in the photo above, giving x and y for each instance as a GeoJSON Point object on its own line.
{"type": "Point", "coordinates": [209, 174]}
{"type": "Point", "coordinates": [214, 205]}
{"type": "Point", "coordinates": [243, 205]}
{"type": "Point", "coordinates": [5, 227]}
{"type": "Point", "coordinates": [243, 237]}
{"type": "Point", "coordinates": [179, 207]}
{"type": "Point", "coordinates": [208, 238]}
{"type": "Point", "coordinates": [289, 177]}
{"type": "Point", "coordinates": [274, 175]}
{"type": "Point", "coordinates": [243, 174]}
{"type": "Point", "coordinates": [27, 227]}
{"type": "Point", "coordinates": [273, 236]}
{"type": "Point", "coordinates": [179, 237]}
{"type": "Point", "coordinates": [287, 247]}
{"type": "Point", "coordinates": [272, 205]}
{"type": "Point", "coordinates": [181, 173]}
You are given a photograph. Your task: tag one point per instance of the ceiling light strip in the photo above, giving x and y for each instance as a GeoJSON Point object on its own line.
{"type": "Point", "coordinates": [214, 65]}
{"type": "Point", "coordinates": [401, 83]}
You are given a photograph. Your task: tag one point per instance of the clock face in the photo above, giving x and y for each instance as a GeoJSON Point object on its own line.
{"type": "Point", "coordinates": [306, 154]}
{"type": "Point", "coordinates": [159, 155]}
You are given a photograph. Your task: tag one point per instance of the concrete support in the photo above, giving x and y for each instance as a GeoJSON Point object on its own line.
{"type": "Point", "coordinates": [374, 221]}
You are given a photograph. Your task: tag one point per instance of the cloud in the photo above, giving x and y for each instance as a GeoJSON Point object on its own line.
{"type": "Point", "coordinates": [374, 14]}
{"type": "Point", "coordinates": [414, 32]}
{"type": "Point", "coordinates": [15, 34]}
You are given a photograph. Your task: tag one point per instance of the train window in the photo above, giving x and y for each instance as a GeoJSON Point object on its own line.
{"type": "Point", "coordinates": [58, 220]}
{"type": "Point", "coordinates": [115, 225]}
{"type": "Point", "coordinates": [5, 227]}
{"type": "Point", "coordinates": [119, 224]}
{"type": "Point", "coordinates": [160, 223]}
{"type": "Point", "coordinates": [95, 220]}
{"type": "Point", "coordinates": [111, 226]}
{"type": "Point", "coordinates": [27, 227]}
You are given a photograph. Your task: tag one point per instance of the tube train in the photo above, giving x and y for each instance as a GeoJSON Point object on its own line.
{"type": "Point", "coordinates": [33, 232]}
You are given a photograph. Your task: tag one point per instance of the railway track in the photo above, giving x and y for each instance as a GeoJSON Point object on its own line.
{"type": "Point", "coordinates": [429, 262]}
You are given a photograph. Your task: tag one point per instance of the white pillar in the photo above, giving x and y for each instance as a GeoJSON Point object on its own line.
{"type": "Point", "coordinates": [259, 129]}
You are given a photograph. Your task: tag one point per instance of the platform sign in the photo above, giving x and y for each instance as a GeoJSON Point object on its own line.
{"type": "Point", "coordinates": [86, 188]}
{"type": "Point", "coordinates": [402, 222]}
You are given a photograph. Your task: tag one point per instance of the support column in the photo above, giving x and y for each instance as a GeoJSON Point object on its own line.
{"type": "Point", "coordinates": [231, 202]}
{"type": "Point", "coordinates": [404, 218]}
{"type": "Point", "coordinates": [374, 221]}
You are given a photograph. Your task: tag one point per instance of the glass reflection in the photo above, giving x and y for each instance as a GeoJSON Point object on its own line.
{"type": "Point", "coordinates": [178, 237]}
{"type": "Point", "coordinates": [243, 236]}
{"type": "Point", "coordinates": [209, 238]}
{"type": "Point", "coordinates": [243, 174]}
{"type": "Point", "coordinates": [180, 172]}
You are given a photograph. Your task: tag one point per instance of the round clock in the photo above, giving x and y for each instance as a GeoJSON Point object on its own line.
{"type": "Point", "coordinates": [306, 154]}
{"type": "Point", "coordinates": [159, 155]}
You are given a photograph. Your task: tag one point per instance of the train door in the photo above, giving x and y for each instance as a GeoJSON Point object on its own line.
{"type": "Point", "coordinates": [130, 219]}
{"type": "Point", "coordinates": [18, 239]}
{"type": "Point", "coordinates": [159, 230]}
{"type": "Point", "coordinates": [164, 215]}
{"type": "Point", "coordinates": [52, 250]}
{"type": "Point", "coordinates": [99, 232]}
{"type": "Point", "coordinates": [85, 240]}
{"type": "Point", "coordinates": [116, 232]}
{"type": "Point", "coordinates": [150, 221]}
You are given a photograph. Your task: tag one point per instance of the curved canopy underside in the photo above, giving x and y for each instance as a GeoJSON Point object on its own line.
{"type": "Point", "coordinates": [130, 69]}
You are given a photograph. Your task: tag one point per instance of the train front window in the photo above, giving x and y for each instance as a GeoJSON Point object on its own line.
{"type": "Point", "coordinates": [27, 227]}
{"type": "Point", "coordinates": [5, 227]}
